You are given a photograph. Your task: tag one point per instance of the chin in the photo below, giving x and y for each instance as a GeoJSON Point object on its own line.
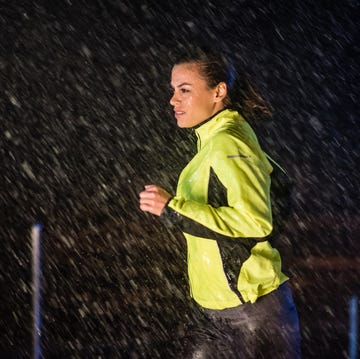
{"type": "Point", "coordinates": [182, 124]}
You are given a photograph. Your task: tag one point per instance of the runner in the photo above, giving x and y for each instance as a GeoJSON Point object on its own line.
{"type": "Point", "coordinates": [223, 207]}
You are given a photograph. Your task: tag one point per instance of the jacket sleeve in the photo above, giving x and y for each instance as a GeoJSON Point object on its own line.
{"type": "Point", "coordinates": [244, 173]}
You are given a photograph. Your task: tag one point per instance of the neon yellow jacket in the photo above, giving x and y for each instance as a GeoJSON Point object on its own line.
{"type": "Point", "coordinates": [222, 205]}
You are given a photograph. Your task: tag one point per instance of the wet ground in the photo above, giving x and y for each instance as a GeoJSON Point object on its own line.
{"type": "Point", "coordinates": [85, 123]}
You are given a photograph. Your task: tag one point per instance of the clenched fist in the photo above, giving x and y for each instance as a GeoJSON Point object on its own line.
{"type": "Point", "coordinates": [153, 199]}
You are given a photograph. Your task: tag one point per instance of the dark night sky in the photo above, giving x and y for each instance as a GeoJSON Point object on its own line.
{"type": "Point", "coordinates": [85, 123]}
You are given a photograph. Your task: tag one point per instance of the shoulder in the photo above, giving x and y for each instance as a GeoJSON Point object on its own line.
{"type": "Point", "coordinates": [238, 144]}
{"type": "Point", "coordinates": [233, 137]}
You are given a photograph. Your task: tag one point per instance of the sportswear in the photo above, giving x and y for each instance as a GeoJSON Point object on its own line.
{"type": "Point", "coordinates": [222, 205]}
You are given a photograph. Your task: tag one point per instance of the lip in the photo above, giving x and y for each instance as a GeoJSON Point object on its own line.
{"type": "Point", "coordinates": [178, 114]}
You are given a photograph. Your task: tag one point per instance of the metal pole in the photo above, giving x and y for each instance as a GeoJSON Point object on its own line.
{"type": "Point", "coordinates": [353, 330]}
{"type": "Point", "coordinates": [36, 273]}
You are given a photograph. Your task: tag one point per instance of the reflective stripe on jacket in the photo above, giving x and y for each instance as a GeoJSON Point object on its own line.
{"type": "Point", "coordinates": [222, 205]}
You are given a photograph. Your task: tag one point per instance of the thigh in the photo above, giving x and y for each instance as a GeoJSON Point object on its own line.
{"type": "Point", "coordinates": [207, 338]}
{"type": "Point", "coordinates": [284, 326]}
{"type": "Point", "coordinates": [212, 337]}
{"type": "Point", "coordinates": [275, 324]}
{"type": "Point", "coordinates": [268, 328]}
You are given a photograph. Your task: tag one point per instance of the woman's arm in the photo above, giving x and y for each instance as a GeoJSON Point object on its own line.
{"type": "Point", "coordinates": [247, 211]}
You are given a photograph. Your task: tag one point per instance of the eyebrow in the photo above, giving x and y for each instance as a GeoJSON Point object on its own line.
{"type": "Point", "coordinates": [182, 84]}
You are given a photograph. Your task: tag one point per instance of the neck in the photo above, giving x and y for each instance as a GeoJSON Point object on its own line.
{"type": "Point", "coordinates": [208, 119]}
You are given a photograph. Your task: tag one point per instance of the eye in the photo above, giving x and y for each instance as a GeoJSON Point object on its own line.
{"type": "Point", "coordinates": [184, 90]}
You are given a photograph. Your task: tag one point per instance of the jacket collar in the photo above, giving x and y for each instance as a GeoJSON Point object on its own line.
{"type": "Point", "coordinates": [209, 127]}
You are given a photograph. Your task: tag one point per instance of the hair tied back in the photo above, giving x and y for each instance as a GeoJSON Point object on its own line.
{"type": "Point", "coordinates": [231, 76]}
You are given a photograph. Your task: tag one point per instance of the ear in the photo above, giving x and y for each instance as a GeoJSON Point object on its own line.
{"type": "Point", "coordinates": [220, 91]}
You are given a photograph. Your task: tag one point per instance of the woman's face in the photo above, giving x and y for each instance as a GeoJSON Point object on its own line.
{"type": "Point", "coordinates": [192, 100]}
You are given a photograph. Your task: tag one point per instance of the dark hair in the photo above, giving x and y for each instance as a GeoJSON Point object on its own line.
{"type": "Point", "coordinates": [215, 67]}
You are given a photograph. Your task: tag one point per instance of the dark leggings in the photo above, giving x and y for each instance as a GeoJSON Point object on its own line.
{"type": "Point", "coordinates": [268, 328]}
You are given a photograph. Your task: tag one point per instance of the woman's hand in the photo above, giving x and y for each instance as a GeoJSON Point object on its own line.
{"type": "Point", "coordinates": [153, 199]}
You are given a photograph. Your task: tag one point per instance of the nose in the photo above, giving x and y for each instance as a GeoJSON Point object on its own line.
{"type": "Point", "coordinates": [173, 100]}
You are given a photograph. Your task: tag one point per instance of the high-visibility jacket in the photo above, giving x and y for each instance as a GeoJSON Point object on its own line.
{"type": "Point", "coordinates": [222, 205]}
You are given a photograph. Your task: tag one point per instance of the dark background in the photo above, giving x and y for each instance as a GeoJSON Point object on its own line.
{"type": "Point", "coordinates": [85, 123]}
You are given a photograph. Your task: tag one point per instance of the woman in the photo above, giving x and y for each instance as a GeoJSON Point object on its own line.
{"type": "Point", "coordinates": [222, 205]}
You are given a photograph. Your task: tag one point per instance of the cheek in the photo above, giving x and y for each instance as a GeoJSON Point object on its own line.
{"type": "Point", "coordinates": [188, 105]}
{"type": "Point", "coordinates": [188, 100]}
{"type": "Point", "coordinates": [204, 104]}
